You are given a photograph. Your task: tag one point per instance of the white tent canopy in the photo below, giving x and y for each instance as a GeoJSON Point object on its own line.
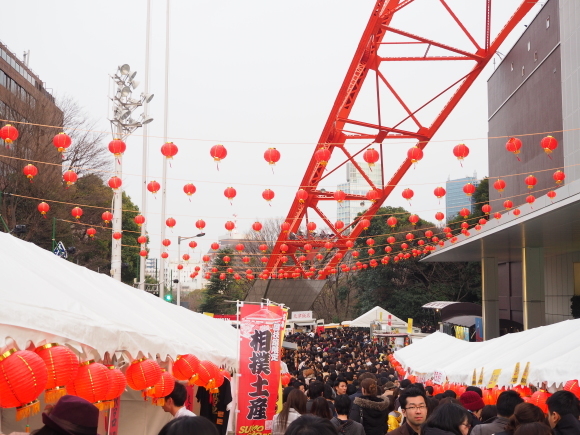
{"type": "Point", "coordinates": [553, 352]}
{"type": "Point", "coordinates": [377, 313]}
{"type": "Point", "coordinates": [47, 299]}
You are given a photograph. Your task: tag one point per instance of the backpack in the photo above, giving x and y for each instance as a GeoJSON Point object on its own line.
{"type": "Point", "coordinates": [342, 428]}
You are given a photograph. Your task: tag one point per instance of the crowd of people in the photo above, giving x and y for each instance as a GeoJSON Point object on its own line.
{"type": "Point", "coordinates": [343, 383]}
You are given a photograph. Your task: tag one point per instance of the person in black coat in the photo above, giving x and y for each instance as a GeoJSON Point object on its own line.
{"type": "Point", "coordinates": [369, 410]}
{"type": "Point", "coordinates": [563, 413]}
{"type": "Point", "coordinates": [447, 419]}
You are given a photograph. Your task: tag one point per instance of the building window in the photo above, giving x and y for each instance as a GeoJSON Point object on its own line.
{"type": "Point", "coordinates": [529, 45]}
{"type": "Point", "coordinates": [548, 22]}
{"type": "Point", "coordinates": [512, 66]}
{"type": "Point", "coordinates": [523, 70]}
{"type": "Point", "coordinates": [535, 56]}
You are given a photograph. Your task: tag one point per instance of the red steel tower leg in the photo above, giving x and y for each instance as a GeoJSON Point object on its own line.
{"type": "Point", "coordinates": [340, 128]}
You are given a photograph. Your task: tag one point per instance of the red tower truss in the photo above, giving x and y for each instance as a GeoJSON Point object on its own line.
{"type": "Point", "coordinates": [373, 64]}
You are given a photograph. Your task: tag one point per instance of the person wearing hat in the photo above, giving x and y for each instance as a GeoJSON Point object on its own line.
{"type": "Point", "coordinates": [70, 416]}
{"type": "Point", "coordinates": [473, 402]}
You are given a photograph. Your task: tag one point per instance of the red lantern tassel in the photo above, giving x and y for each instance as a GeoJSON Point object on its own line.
{"type": "Point", "coordinates": [27, 410]}
{"type": "Point", "coordinates": [103, 405]}
{"type": "Point", "coordinates": [158, 401]}
{"type": "Point", "coordinates": [193, 379]}
{"type": "Point", "coordinates": [51, 396]}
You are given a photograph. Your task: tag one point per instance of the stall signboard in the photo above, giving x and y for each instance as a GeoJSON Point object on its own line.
{"type": "Point", "coordinates": [301, 315]}
{"type": "Point", "coordinates": [261, 329]}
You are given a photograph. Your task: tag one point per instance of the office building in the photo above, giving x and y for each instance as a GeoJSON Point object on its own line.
{"type": "Point", "coordinates": [456, 199]}
{"type": "Point", "coordinates": [347, 211]}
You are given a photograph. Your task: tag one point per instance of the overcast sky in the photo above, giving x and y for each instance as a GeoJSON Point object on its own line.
{"type": "Point", "coordinates": [252, 74]}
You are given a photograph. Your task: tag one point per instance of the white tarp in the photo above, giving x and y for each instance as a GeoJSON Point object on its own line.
{"type": "Point", "coordinates": [365, 320]}
{"type": "Point", "coordinates": [47, 299]}
{"type": "Point", "coordinates": [553, 352]}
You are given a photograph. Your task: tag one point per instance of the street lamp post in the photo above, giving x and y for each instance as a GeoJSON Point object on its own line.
{"type": "Point", "coordinates": [179, 240]}
{"type": "Point", "coordinates": [122, 125]}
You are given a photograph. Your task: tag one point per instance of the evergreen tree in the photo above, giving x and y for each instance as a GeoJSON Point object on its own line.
{"type": "Point", "coordinates": [218, 290]}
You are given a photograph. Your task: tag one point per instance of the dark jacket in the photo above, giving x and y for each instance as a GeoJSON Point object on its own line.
{"type": "Point", "coordinates": [434, 431]}
{"type": "Point", "coordinates": [568, 425]}
{"type": "Point", "coordinates": [497, 425]}
{"type": "Point", "coordinates": [348, 427]}
{"type": "Point", "coordinates": [374, 413]}
{"type": "Point", "coordinates": [403, 429]}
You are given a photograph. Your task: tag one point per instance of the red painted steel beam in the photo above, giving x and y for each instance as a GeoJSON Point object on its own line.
{"type": "Point", "coordinates": [334, 135]}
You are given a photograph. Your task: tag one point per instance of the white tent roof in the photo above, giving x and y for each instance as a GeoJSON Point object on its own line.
{"type": "Point", "coordinates": [553, 352]}
{"type": "Point", "coordinates": [365, 320]}
{"type": "Point", "coordinates": [47, 299]}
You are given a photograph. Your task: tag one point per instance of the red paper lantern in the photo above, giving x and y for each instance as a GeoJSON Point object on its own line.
{"type": "Point", "coordinates": [392, 222]}
{"type": "Point", "coordinates": [469, 189]}
{"type": "Point", "coordinates": [70, 177]}
{"type": "Point", "coordinates": [339, 225]}
{"type": "Point", "coordinates": [180, 267]}
{"type": "Point", "coordinates": [516, 212]}
{"type": "Point", "coordinates": [24, 377]}
{"type": "Point", "coordinates": [407, 194]}
{"type": "Point", "coordinates": [530, 199]}
{"type": "Point", "coordinates": [115, 182]}
{"type": "Point", "coordinates": [551, 194]}
{"type": "Point", "coordinates": [257, 226]}
{"type": "Point", "coordinates": [139, 220]}
{"type": "Point", "coordinates": [414, 219]}
{"type": "Point", "coordinates": [117, 384]}
{"type": "Point", "coordinates": [311, 227]}
{"type": "Point", "coordinates": [322, 156]}
{"type": "Point", "coordinates": [170, 222]}
{"type": "Point", "coordinates": [239, 247]}
{"type": "Point", "coordinates": [508, 204]}
{"type": "Point", "coordinates": [263, 247]}
{"type": "Point", "coordinates": [415, 154]}
{"type": "Point", "coordinates": [355, 254]}
{"type": "Point", "coordinates": [365, 224]}
{"type": "Point", "coordinates": [200, 224]}
{"type": "Point", "coordinates": [302, 196]}
{"type": "Point", "coordinates": [371, 156]}
{"type": "Point", "coordinates": [185, 367]}
{"type": "Point", "coordinates": [372, 195]}
{"type": "Point", "coordinates": [117, 236]}
{"type": "Point", "coordinates": [409, 237]}
{"type": "Point", "coordinates": [166, 242]}
{"type": "Point", "coordinates": [464, 212]}
{"type": "Point", "coordinates": [62, 365]}
{"type": "Point", "coordinates": [9, 133]}
{"type": "Point", "coordinates": [391, 240]}
{"type": "Point", "coordinates": [539, 399]}
{"type": "Point", "coordinates": [30, 171]}
{"type": "Point", "coordinates": [285, 226]}
{"type": "Point", "coordinates": [142, 239]}
{"type": "Point", "coordinates": [272, 156]}
{"type": "Point", "coordinates": [531, 181]}
{"type": "Point", "coordinates": [43, 208]}
{"type": "Point", "coordinates": [268, 195]}
{"type": "Point", "coordinates": [162, 388]}
{"type": "Point", "coordinates": [283, 247]}
{"type": "Point", "coordinates": [404, 246]}
{"type": "Point", "coordinates": [349, 244]}
{"type": "Point", "coordinates": [328, 246]}
{"type": "Point", "coordinates": [514, 145]}
{"type": "Point", "coordinates": [169, 150]}
{"type": "Point", "coordinates": [370, 242]}
{"type": "Point", "coordinates": [143, 374]}
{"type": "Point", "coordinates": [229, 225]}
{"type": "Point", "coordinates": [107, 217]}
{"type": "Point", "coordinates": [153, 186]}
{"type": "Point", "coordinates": [91, 232]}
{"type": "Point", "coordinates": [215, 246]}
{"type": "Point", "coordinates": [246, 259]}
{"type": "Point", "coordinates": [61, 141]}
{"type": "Point", "coordinates": [117, 147]}
{"type": "Point", "coordinates": [230, 193]}
{"type": "Point", "coordinates": [559, 177]}
{"type": "Point", "coordinates": [549, 144]}
{"type": "Point", "coordinates": [497, 215]}
{"type": "Point", "coordinates": [185, 257]}
{"type": "Point", "coordinates": [77, 212]}
{"type": "Point", "coordinates": [92, 382]}
{"type": "Point", "coordinates": [143, 253]}
{"type": "Point", "coordinates": [460, 151]}
{"type": "Point", "coordinates": [307, 247]}
{"type": "Point", "coordinates": [264, 259]}
{"type": "Point", "coordinates": [439, 192]}
{"type": "Point", "coordinates": [428, 234]}
{"type": "Point", "coordinates": [439, 216]}
{"type": "Point", "coordinates": [573, 387]}
{"type": "Point", "coordinates": [218, 152]}
{"type": "Point", "coordinates": [206, 258]}
{"type": "Point", "coordinates": [189, 189]}
{"type": "Point", "coordinates": [499, 185]}
{"type": "Point", "coordinates": [339, 196]}
{"type": "Point", "coordinates": [286, 377]}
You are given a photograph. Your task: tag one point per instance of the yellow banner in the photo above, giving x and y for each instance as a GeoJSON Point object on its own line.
{"type": "Point", "coordinates": [494, 377]}
{"type": "Point", "coordinates": [409, 325]}
{"type": "Point", "coordinates": [516, 374]}
{"type": "Point", "coordinates": [474, 378]}
{"type": "Point", "coordinates": [524, 380]}
{"type": "Point", "coordinates": [480, 381]}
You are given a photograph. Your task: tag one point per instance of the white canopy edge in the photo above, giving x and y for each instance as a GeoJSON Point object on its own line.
{"type": "Point", "coordinates": [47, 299]}
{"type": "Point", "coordinates": [553, 352]}
{"type": "Point", "coordinates": [364, 321]}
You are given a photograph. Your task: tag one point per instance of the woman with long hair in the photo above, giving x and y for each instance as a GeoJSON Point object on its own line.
{"type": "Point", "coordinates": [293, 408]}
{"type": "Point", "coordinates": [535, 428]}
{"type": "Point", "coordinates": [320, 408]}
{"type": "Point", "coordinates": [524, 413]}
{"type": "Point", "coordinates": [447, 419]}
